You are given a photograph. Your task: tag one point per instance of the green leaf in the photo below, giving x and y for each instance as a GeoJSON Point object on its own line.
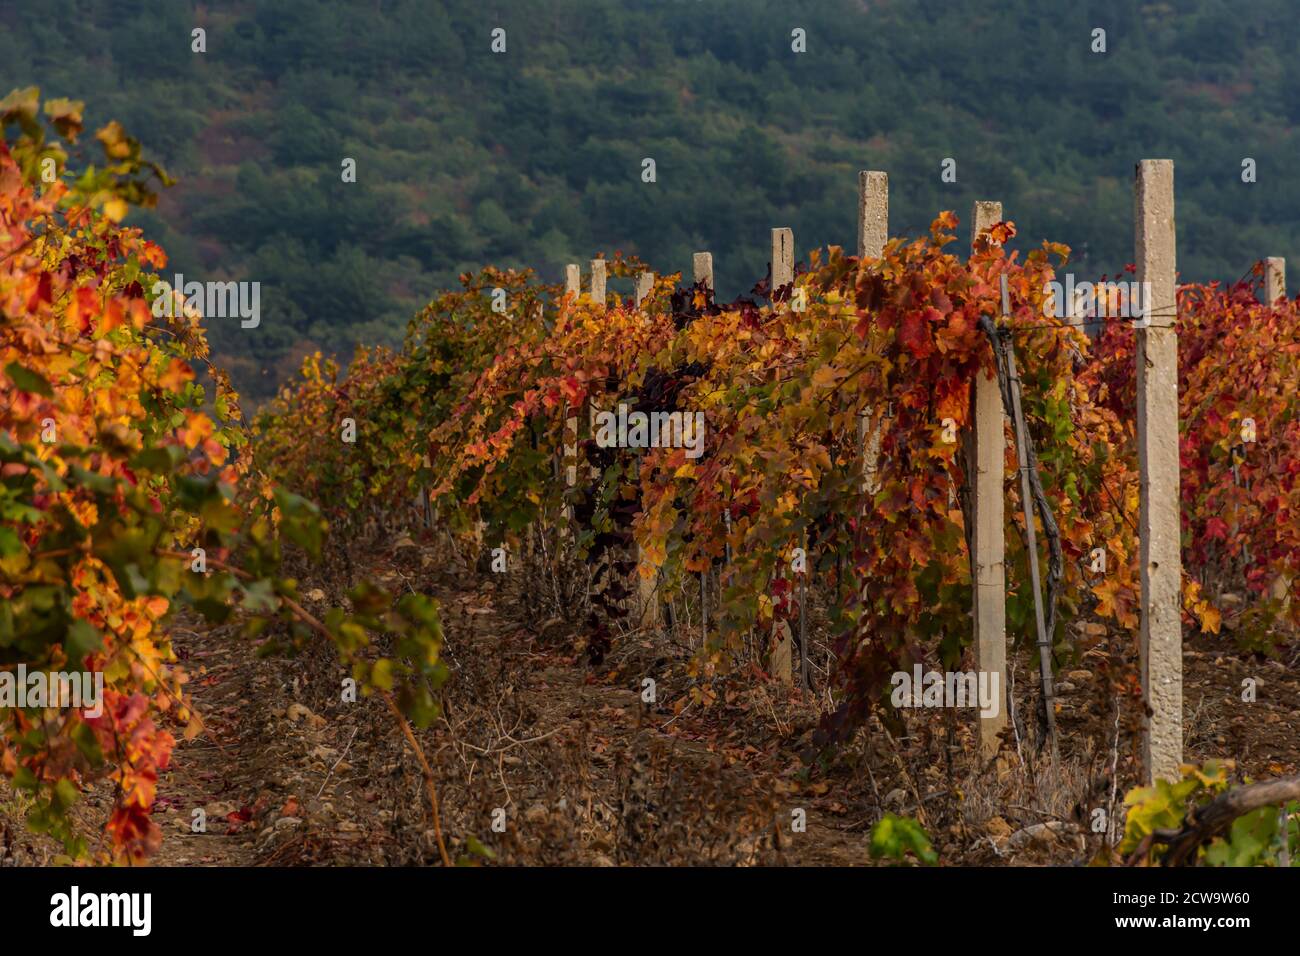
{"type": "Point", "coordinates": [28, 381]}
{"type": "Point", "coordinates": [894, 836]}
{"type": "Point", "coordinates": [24, 779]}
{"type": "Point", "coordinates": [102, 484]}
{"type": "Point", "coordinates": [415, 702]}
{"type": "Point", "coordinates": [88, 744]}
{"type": "Point", "coordinates": [1248, 839]}
{"type": "Point", "coordinates": [162, 459]}
{"type": "Point", "coordinates": [82, 639]}
{"type": "Point", "coordinates": [302, 523]}
{"type": "Point", "coordinates": [65, 794]}
{"type": "Point", "coordinates": [260, 597]}
{"type": "Point", "coordinates": [381, 674]}
{"type": "Point", "coordinates": [10, 543]}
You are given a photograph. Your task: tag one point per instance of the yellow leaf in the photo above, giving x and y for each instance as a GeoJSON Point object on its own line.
{"type": "Point", "coordinates": [115, 141]}
{"type": "Point", "coordinates": [381, 674]}
{"type": "Point", "coordinates": [1105, 593]}
{"type": "Point", "coordinates": [197, 428]}
{"type": "Point", "coordinates": [825, 376]}
{"type": "Point", "coordinates": [115, 209]}
{"type": "Point", "coordinates": [194, 727]}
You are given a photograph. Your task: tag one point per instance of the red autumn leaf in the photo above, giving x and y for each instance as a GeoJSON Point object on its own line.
{"type": "Point", "coordinates": [939, 299]}
{"type": "Point", "coordinates": [236, 820]}
{"type": "Point", "coordinates": [42, 293]}
{"type": "Point", "coordinates": [1002, 231]}
{"type": "Point", "coordinates": [915, 335]}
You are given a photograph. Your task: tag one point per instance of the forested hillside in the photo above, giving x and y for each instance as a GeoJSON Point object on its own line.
{"type": "Point", "coordinates": [533, 157]}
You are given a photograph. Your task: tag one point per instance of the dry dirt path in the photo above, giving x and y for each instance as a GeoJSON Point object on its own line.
{"type": "Point", "coordinates": [570, 759]}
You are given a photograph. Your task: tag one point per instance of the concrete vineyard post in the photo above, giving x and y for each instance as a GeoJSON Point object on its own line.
{"type": "Point", "coordinates": [782, 275]}
{"type": "Point", "coordinates": [988, 542]}
{"type": "Point", "coordinates": [873, 232]}
{"type": "Point", "coordinates": [1157, 434]}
